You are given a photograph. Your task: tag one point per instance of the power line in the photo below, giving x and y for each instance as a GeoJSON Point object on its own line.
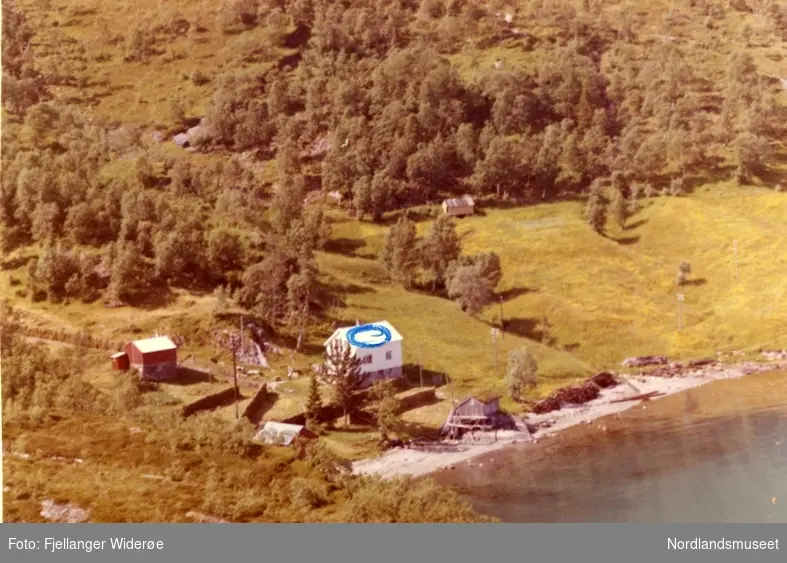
{"type": "Point", "coordinates": [735, 256]}
{"type": "Point", "coordinates": [494, 346]}
{"type": "Point", "coordinates": [681, 299]}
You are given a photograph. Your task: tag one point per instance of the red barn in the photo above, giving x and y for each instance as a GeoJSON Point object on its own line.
{"type": "Point", "coordinates": [155, 358]}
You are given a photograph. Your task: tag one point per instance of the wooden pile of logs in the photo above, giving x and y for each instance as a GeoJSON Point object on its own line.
{"type": "Point", "coordinates": [546, 405]}
{"type": "Point", "coordinates": [577, 395]}
{"type": "Point", "coordinates": [604, 379]}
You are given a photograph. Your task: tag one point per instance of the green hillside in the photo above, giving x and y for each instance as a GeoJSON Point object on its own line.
{"type": "Point", "coordinates": [554, 115]}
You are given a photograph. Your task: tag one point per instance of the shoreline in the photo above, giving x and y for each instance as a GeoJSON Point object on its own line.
{"type": "Point", "coordinates": [446, 454]}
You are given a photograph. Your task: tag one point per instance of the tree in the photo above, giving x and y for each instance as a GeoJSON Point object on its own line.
{"type": "Point", "coordinates": [53, 271]}
{"type": "Point", "coordinates": [300, 288]}
{"type": "Point", "coordinates": [287, 203]}
{"type": "Point", "coordinates": [637, 191]}
{"type": "Point", "coordinates": [131, 274]}
{"type": "Point", "coordinates": [547, 159]}
{"type": "Point", "coordinates": [440, 248]}
{"type": "Point", "coordinates": [469, 287]}
{"type": "Point", "coordinates": [314, 401]}
{"type": "Point", "coordinates": [684, 271]}
{"type": "Point", "coordinates": [750, 151]}
{"type": "Point", "coordinates": [386, 408]}
{"type": "Point", "coordinates": [676, 187]}
{"type": "Point", "coordinates": [264, 285]}
{"type": "Point", "coordinates": [399, 253]}
{"type": "Point", "coordinates": [225, 252]}
{"type": "Point", "coordinates": [222, 304]}
{"type": "Point", "coordinates": [596, 209]}
{"type": "Point", "coordinates": [620, 209]}
{"type": "Point", "coordinates": [522, 373]}
{"type": "Point", "coordinates": [341, 368]}
{"type": "Point", "coordinates": [503, 168]}
{"type": "Point", "coordinates": [487, 265]}
{"type": "Point", "coordinates": [177, 111]}
{"type": "Point", "coordinates": [181, 253]}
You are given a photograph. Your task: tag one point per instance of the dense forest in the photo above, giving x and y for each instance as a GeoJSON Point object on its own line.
{"type": "Point", "coordinates": [370, 106]}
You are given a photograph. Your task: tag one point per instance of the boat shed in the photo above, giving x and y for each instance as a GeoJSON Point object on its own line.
{"type": "Point", "coordinates": [472, 414]}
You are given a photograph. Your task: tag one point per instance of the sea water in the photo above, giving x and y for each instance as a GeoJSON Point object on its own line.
{"type": "Point", "coordinates": [718, 454]}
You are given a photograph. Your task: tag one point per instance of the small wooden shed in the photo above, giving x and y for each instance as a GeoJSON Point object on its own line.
{"type": "Point", "coordinates": [459, 207]}
{"type": "Point", "coordinates": [120, 361]}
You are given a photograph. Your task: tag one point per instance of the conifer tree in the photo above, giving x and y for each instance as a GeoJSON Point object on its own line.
{"type": "Point", "coordinates": [314, 401]}
{"type": "Point", "coordinates": [341, 368]}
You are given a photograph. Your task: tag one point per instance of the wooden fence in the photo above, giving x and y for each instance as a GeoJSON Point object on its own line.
{"type": "Point", "coordinates": [253, 409]}
{"type": "Point", "coordinates": [210, 402]}
{"type": "Point", "coordinates": [81, 339]}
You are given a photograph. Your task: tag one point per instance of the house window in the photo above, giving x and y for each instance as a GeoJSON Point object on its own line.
{"type": "Point", "coordinates": [367, 359]}
{"type": "Point", "coordinates": [388, 355]}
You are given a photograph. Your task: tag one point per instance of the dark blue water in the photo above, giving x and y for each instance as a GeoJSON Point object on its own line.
{"type": "Point", "coordinates": [661, 466]}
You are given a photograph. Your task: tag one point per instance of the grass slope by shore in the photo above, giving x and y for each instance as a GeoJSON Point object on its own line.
{"type": "Point", "coordinates": [605, 298]}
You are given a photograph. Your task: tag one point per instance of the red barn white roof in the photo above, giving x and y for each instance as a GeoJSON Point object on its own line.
{"type": "Point", "coordinates": [157, 344]}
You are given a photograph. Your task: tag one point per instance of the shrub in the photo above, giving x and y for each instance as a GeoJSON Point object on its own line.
{"type": "Point", "coordinates": [307, 494]}
{"type": "Point", "coordinates": [199, 78]}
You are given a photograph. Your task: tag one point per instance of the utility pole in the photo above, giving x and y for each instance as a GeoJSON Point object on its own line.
{"type": "Point", "coordinates": [420, 365]}
{"type": "Point", "coordinates": [232, 341]}
{"type": "Point", "coordinates": [502, 322]}
{"type": "Point", "coordinates": [494, 345]}
{"type": "Point", "coordinates": [735, 256]}
{"type": "Point", "coordinates": [242, 338]}
{"type": "Point", "coordinates": [681, 298]}
{"type": "Point", "coordinates": [235, 379]}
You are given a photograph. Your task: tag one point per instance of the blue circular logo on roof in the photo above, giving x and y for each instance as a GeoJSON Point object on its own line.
{"type": "Point", "coordinates": [368, 336]}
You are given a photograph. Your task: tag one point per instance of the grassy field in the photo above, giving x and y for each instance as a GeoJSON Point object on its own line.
{"type": "Point", "coordinates": [604, 298]}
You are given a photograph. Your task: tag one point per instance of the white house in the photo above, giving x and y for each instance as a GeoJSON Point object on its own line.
{"type": "Point", "coordinates": [379, 347]}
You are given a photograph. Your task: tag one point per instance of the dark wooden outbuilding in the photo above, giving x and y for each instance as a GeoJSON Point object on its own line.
{"type": "Point", "coordinates": [155, 358]}
{"type": "Point", "coordinates": [120, 361]}
{"type": "Point", "coordinates": [472, 414]}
